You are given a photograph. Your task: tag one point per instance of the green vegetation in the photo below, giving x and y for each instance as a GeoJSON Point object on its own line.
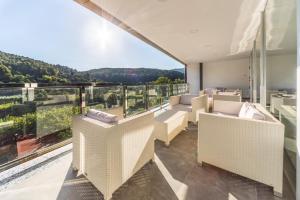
{"type": "Point", "coordinates": [19, 69]}
{"type": "Point", "coordinates": [42, 122]}
{"type": "Point", "coordinates": [133, 75]}
{"type": "Point", "coordinates": [54, 118]}
{"type": "Point", "coordinates": [47, 117]}
{"type": "Point", "coordinates": [165, 80]}
{"type": "Point", "coordinates": [6, 106]}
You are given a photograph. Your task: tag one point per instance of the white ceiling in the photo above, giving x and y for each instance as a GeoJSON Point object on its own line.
{"type": "Point", "coordinates": [192, 30]}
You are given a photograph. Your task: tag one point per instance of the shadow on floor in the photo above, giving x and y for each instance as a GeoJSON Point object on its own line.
{"type": "Point", "coordinates": [179, 160]}
{"type": "Point", "coordinates": [208, 182]}
{"type": "Point", "coordinates": [77, 187]}
{"type": "Point", "coordinates": [147, 184]}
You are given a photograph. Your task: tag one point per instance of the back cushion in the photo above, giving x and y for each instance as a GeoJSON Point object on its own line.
{"type": "Point", "coordinates": [244, 109]}
{"type": "Point", "coordinates": [186, 99]}
{"type": "Point", "coordinates": [102, 116]}
{"type": "Point", "coordinates": [227, 107]}
{"type": "Point", "coordinates": [251, 112]}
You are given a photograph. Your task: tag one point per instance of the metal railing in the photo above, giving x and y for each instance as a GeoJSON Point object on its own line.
{"type": "Point", "coordinates": [36, 118]}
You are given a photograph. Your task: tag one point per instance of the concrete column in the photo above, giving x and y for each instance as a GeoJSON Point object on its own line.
{"type": "Point", "coordinates": [254, 73]}
{"type": "Point", "coordinates": [263, 63]}
{"type": "Point", "coordinates": [193, 77]}
{"type": "Point", "coordinates": [201, 76]}
{"type": "Point", "coordinates": [251, 76]}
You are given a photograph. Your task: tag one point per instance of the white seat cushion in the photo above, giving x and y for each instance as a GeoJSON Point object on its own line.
{"type": "Point", "coordinates": [250, 112]}
{"type": "Point", "coordinates": [187, 108]}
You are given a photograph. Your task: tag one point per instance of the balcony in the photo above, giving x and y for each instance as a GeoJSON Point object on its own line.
{"type": "Point", "coordinates": [175, 174]}
{"type": "Point", "coordinates": [238, 56]}
{"type": "Point", "coordinates": [44, 139]}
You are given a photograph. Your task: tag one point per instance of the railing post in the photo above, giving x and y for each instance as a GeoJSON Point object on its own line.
{"type": "Point", "coordinates": [91, 92]}
{"type": "Point", "coordinates": [124, 100]}
{"type": "Point", "coordinates": [30, 92]}
{"type": "Point", "coordinates": [82, 99]}
{"type": "Point", "coordinates": [147, 97]}
{"type": "Point", "coordinates": [187, 88]}
{"type": "Point", "coordinates": [25, 92]}
{"type": "Point", "coordinates": [160, 96]}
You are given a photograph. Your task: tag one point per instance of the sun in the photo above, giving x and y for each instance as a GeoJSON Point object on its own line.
{"type": "Point", "coordinates": [104, 36]}
{"type": "Point", "coordinates": [99, 35]}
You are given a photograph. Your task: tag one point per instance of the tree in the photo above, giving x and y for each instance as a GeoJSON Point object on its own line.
{"type": "Point", "coordinates": [112, 99]}
{"type": "Point", "coordinates": [5, 73]}
{"type": "Point", "coordinates": [20, 69]}
{"type": "Point", "coordinates": [162, 80]}
{"type": "Point", "coordinates": [165, 80]}
{"type": "Point", "coordinates": [19, 79]}
{"type": "Point", "coordinates": [178, 80]}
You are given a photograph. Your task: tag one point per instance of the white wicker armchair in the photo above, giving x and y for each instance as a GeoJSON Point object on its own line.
{"type": "Point", "coordinates": [109, 154]}
{"type": "Point", "coordinates": [197, 104]}
{"type": "Point", "coordinates": [248, 147]}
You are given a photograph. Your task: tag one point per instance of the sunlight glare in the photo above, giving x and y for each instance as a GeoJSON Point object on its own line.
{"type": "Point", "coordinates": [98, 35]}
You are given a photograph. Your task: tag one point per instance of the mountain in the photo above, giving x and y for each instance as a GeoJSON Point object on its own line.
{"type": "Point", "coordinates": [20, 69]}
{"type": "Point", "coordinates": [132, 75]}
{"type": "Point", "coordinates": [181, 70]}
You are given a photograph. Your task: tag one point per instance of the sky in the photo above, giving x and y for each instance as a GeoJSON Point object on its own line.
{"type": "Point", "coordinates": [63, 32]}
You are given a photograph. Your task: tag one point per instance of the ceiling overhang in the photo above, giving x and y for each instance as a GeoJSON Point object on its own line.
{"type": "Point", "coordinates": [197, 31]}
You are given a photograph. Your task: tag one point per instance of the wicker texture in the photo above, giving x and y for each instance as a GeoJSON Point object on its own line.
{"type": "Point", "coordinates": [224, 97]}
{"type": "Point", "coordinates": [199, 104]}
{"type": "Point", "coordinates": [169, 124]}
{"type": "Point", "coordinates": [247, 147]}
{"type": "Point", "coordinates": [112, 153]}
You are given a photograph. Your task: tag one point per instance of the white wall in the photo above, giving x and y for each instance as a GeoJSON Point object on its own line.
{"type": "Point", "coordinates": [226, 73]}
{"type": "Point", "coordinates": [281, 71]}
{"type": "Point", "coordinates": [235, 73]}
{"type": "Point", "coordinates": [193, 78]}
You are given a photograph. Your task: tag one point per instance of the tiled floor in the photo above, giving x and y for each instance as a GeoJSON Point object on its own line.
{"type": "Point", "coordinates": [175, 174]}
{"type": "Point", "coordinates": [192, 181]}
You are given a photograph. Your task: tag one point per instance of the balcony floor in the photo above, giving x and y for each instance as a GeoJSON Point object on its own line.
{"type": "Point", "coordinates": [174, 175]}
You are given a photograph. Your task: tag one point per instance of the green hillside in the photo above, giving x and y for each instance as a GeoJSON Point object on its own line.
{"type": "Point", "coordinates": [132, 75]}
{"type": "Point", "coordinates": [20, 69]}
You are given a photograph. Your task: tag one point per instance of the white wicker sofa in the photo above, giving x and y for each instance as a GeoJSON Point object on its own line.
{"type": "Point", "coordinates": [109, 154]}
{"type": "Point", "coordinates": [193, 104]}
{"type": "Point", "coordinates": [249, 147]}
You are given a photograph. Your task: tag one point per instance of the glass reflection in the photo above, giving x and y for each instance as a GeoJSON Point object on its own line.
{"type": "Point", "coordinates": [281, 56]}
